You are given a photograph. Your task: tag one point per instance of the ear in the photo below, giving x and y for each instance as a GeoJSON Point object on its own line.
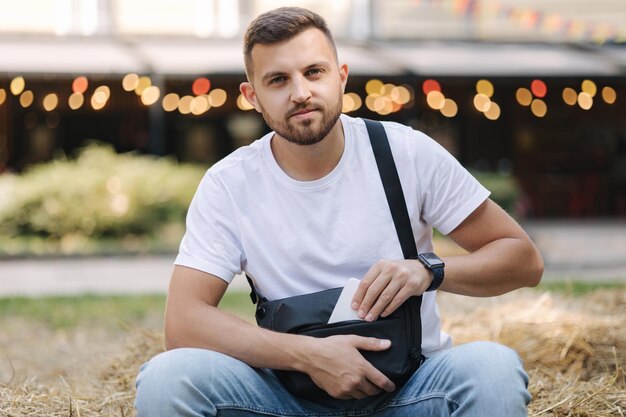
{"type": "Point", "coordinates": [247, 90]}
{"type": "Point", "coordinates": [343, 75]}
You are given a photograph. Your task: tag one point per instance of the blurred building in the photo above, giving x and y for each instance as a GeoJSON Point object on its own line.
{"type": "Point", "coordinates": [528, 88]}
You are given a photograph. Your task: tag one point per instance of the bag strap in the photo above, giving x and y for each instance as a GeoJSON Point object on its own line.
{"type": "Point", "coordinates": [392, 186]}
{"type": "Point", "coordinates": [393, 192]}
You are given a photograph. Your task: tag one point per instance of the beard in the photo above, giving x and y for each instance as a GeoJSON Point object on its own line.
{"type": "Point", "coordinates": [309, 131]}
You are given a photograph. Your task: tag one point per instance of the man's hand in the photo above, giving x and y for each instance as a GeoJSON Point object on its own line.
{"type": "Point", "coordinates": [387, 285]}
{"type": "Point", "coordinates": [336, 365]}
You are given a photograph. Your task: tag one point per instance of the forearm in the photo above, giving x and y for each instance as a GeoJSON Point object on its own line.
{"type": "Point", "coordinates": [201, 325]}
{"type": "Point", "coordinates": [500, 266]}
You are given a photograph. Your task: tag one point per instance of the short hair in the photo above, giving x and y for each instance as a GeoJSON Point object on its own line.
{"type": "Point", "coordinates": [280, 25]}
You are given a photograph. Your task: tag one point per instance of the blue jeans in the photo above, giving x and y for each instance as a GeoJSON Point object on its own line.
{"type": "Point", "coordinates": [479, 379]}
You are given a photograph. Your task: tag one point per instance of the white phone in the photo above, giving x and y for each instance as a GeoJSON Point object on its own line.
{"type": "Point", "coordinates": [343, 309]}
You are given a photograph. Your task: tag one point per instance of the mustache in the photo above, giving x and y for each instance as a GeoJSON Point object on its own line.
{"type": "Point", "coordinates": [302, 106]}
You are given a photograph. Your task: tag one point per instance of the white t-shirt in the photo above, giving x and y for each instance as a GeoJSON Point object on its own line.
{"type": "Point", "coordinates": [296, 237]}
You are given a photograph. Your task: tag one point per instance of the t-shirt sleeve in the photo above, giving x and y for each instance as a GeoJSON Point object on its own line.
{"type": "Point", "coordinates": [449, 193]}
{"type": "Point", "coordinates": [211, 242]}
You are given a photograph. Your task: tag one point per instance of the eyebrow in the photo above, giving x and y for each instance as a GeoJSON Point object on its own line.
{"type": "Point", "coordinates": [273, 74]}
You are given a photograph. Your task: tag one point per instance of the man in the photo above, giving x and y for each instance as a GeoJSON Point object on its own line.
{"type": "Point", "coordinates": [302, 210]}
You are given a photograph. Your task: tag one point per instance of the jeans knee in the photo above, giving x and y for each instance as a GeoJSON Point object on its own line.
{"type": "Point", "coordinates": [170, 382]}
{"type": "Point", "coordinates": [497, 369]}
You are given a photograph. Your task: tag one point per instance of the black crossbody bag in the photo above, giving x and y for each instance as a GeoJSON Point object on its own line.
{"type": "Point", "coordinates": [308, 314]}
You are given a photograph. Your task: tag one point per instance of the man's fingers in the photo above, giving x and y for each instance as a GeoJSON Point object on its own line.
{"type": "Point", "coordinates": [373, 294]}
{"type": "Point", "coordinates": [370, 343]}
{"type": "Point", "coordinates": [367, 280]}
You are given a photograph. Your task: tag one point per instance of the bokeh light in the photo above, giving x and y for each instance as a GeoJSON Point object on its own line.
{"type": "Point", "coordinates": [184, 104]}
{"type": "Point", "coordinates": [400, 94]}
{"type": "Point", "coordinates": [76, 101]}
{"type": "Point", "coordinates": [585, 101]}
{"type": "Point", "coordinates": [17, 85]}
{"type": "Point", "coordinates": [589, 87]}
{"type": "Point", "coordinates": [485, 87]}
{"type": "Point", "coordinates": [243, 104]}
{"type": "Point", "coordinates": [539, 88]}
{"type": "Point", "coordinates": [609, 95]}
{"type": "Point", "coordinates": [435, 99]}
{"type": "Point", "coordinates": [50, 102]}
{"type": "Point", "coordinates": [170, 102]}
{"type": "Point", "coordinates": [217, 97]}
{"type": "Point", "coordinates": [201, 86]}
{"type": "Point", "coordinates": [100, 97]}
{"type": "Point", "coordinates": [494, 111]}
{"type": "Point", "coordinates": [26, 98]}
{"type": "Point", "coordinates": [199, 104]}
{"type": "Point", "coordinates": [3, 96]}
{"type": "Point", "coordinates": [130, 82]}
{"type": "Point", "coordinates": [430, 85]}
{"type": "Point", "coordinates": [150, 95]}
{"type": "Point", "coordinates": [539, 107]}
{"type": "Point", "coordinates": [524, 96]}
{"type": "Point", "coordinates": [80, 84]}
{"type": "Point", "coordinates": [450, 108]}
{"type": "Point", "coordinates": [570, 96]}
{"type": "Point", "coordinates": [373, 86]}
{"type": "Point", "coordinates": [482, 102]}
{"type": "Point", "coordinates": [144, 82]}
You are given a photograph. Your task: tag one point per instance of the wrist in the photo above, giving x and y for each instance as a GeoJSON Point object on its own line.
{"type": "Point", "coordinates": [436, 267]}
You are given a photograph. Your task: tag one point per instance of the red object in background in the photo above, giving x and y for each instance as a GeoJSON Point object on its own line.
{"type": "Point", "coordinates": [201, 86]}
{"type": "Point", "coordinates": [430, 85]}
{"type": "Point", "coordinates": [539, 88]}
{"type": "Point", "coordinates": [80, 84]}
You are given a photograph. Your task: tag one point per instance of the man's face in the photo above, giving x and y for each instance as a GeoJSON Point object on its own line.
{"type": "Point", "coordinates": [297, 86]}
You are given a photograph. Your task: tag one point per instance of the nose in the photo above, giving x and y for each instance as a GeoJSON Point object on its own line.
{"type": "Point", "coordinates": [301, 91]}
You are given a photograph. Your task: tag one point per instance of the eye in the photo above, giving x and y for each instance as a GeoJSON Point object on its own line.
{"type": "Point", "coordinates": [314, 71]}
{"type": "Point", "coordinates": [277, 80]}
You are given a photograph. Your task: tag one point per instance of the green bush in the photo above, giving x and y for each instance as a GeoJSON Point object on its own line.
{"type": "Point", "coordinates": [98, 195]}
{"type": "Point", "coordinates": [505, 191]}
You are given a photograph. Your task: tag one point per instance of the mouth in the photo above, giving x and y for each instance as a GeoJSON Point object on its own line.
{"type": "Point", "coordinates": [302, 112]}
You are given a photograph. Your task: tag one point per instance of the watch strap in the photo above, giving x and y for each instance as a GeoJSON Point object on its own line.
{"type": "Point", "coordinates": [437, 278]}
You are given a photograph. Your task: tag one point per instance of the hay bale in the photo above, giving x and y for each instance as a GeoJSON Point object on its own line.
{"type": "Point", "coordinates": [575, 355]}
{"type": "Point", "coordinates": [573, 348]}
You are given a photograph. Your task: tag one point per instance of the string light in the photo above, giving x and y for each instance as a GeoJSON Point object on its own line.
{"type": "Point", "coordinates": [80, 85]}
{"type": "Point", "coordinates": [430, 85]}
{"type": "Point", "coordinates": [482, 102]}
{"type": "Point", "coordinates": [609, 95]}
{"type": "Point", "coordinates": [524, 96]}
{"type": "Point", "coordinates": [585, 101]}
{"type": "Point", "coordinates": [589, 87]}
{"type": "Point", "coordinates": [130, 82]}
{"type": "Point", "coordinates": [570, 96]}
{"type": "Point", "coordinates": [435, 100]}
{"type": "Point", "coordinates": [170, 102]}
{"type": "Point", "coordinates": [50, 102]}
{"type": "Point", "coordinates": [243, 104]}
{"type": "Point", "coordinates": [485, 87]}
{"type": "Point", "coordinates": [17, 85]}
{"type": "Point", "coordinates": [26, 98]}
{"type": "Point", "coordinates": [450, 108]}
{"type": "Point", "coordinates": [494, 111]}
{"type": "Point", "coordinates": [217, 97]}
{"type": "Point", "coordinates": [75, 101]}
{"type": "Point", "coordinates": [150, 95]}
{"type": "Point", "coordinates": [373, 87]}
{"type": "Point", "coordinates": [539, 107]}
{"type": "Point", "coordinates": [539, 88]}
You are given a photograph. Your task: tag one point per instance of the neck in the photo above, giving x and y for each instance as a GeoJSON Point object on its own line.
{"type": "Point", "coordinates": [309, 162]}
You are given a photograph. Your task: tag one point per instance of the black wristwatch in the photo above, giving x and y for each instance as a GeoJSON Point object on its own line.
{"type": "Point", "coordinates": [435, 264]}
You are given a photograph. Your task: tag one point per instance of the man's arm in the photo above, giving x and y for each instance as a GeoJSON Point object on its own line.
{"type": "Point", "coordinates": [192, 319]}
{"type": "Point", "coordinates": [501, 258]}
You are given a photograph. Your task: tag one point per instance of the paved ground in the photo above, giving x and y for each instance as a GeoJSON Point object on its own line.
{"type": "Point", "coordinates": [593, 251]}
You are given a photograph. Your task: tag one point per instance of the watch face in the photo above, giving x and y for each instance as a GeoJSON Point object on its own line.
{"type": "Point", "coordinates": [433, 260]}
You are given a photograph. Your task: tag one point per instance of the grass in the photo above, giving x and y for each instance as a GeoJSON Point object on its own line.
{"type": "Point", "coordinates": [107, 311]}
{"type": "Point", "coordinates": [129, 310]}
{"type": "Point", "coordinates": [579, 288]}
